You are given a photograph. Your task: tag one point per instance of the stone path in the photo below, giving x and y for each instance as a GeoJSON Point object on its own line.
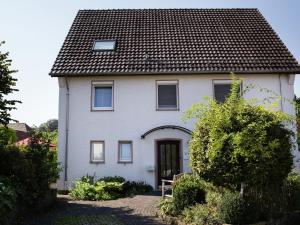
{"type": "Point", "coordinates": [138, 210]}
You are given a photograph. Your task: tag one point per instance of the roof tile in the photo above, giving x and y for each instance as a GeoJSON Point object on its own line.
{"type": "Point", "coordinates": [173, 41]}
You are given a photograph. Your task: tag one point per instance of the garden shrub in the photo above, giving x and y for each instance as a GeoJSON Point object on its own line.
{"type": "Point", "coordinates": [8, 201]}
{"type": "Point", "coordinates": [205, 213]}
{"type": "Point", "coordinates": [201, 214]}
{"type": "Point", "coordinates": [136, 187]}
{"type": "Point", "coordinates": [113, 179]}
{"type": "Point", "coordinates": [7, 136]}
{"type": "Point", "coordinates": [107, 188]}
{"type": "Point", "coordinates": [166, 207]}
{"type": "Point", "coordinates": [292, 190]}
{"type": "Point", "coordinates": [240, 142]}
{"type": "Point", "coordinates": [235, 209]}
{"type": "Point", "coordinates": [30, 170]}
{"type": "Point", "coordinates": [188, 190]}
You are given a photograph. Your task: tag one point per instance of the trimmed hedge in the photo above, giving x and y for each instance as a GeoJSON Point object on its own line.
{"type": "Point", "coordinates": [188, 190]}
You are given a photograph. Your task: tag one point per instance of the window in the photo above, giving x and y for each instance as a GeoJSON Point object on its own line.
{"type": "Point", "coordinates": [167, 95]}
{"type": "Point", "coordinates": [97, 151]}
{"type": "Point", "coordinates": [125, 152]}
{"type": "Point", "coordinates": [102, 95]}
{"type": "Point", "coordinates": [221, 89]}
{"type": "Point", "coordinates": [104, 45]}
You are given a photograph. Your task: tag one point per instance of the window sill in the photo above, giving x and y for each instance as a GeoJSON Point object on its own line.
{"type": "Point", "coordinates": [167, 109]}
{"type": "Point", "coordinates": [125, 162]}
{"type": "Point", "coordinates": [97, 162]}
{"type": "Point", "coordinates": [101, 109]}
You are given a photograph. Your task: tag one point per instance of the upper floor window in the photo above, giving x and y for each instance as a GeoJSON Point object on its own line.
{"type": "Point", "coordinates": [221, 89]}
{"type": "Point", "coordinates": [167, 95]}
{"type": "Point", "coordinates": [104, 45]}
{"type": "Point", "coordinates": [102, 95]}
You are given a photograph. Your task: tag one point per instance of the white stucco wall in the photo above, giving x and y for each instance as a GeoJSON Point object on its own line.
{"type": "Point", "coordinates": [134, 114]}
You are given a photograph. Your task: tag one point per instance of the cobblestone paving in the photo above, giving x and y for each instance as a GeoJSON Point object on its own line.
{"type": "Point", "coordinates": [138, 210]}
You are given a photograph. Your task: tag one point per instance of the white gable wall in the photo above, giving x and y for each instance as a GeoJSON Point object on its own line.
{"type": "Point", "coordinates": [134, 114]}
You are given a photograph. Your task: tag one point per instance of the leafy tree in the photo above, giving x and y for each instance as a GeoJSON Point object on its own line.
{"type": "Point", "coordinates": [7, 83]}
{"type": "Point", "coordinates": [7, 136]}
{"type": "Point", "coordinates": [51, 125]}
{"type": "Point", "coordinates": [297, 104]}
{"type": "Point", "coordinates": [238, 142]}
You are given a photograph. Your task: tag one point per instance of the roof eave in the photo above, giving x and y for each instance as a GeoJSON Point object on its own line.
{"type": "Point", "coordinates": [172, 73]}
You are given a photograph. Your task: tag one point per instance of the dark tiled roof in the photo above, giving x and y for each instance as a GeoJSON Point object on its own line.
{"type": "Point", "coordinates": [173, 41]}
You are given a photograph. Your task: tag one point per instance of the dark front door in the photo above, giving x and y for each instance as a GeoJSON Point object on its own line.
{"type": "Point", "coordinates": [167, 159]}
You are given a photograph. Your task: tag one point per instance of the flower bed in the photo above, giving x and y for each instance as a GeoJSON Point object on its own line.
{"type": "Point", "coordinates": [107, 188]}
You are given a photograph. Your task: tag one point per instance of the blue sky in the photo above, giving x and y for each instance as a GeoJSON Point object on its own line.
{"type": "Point", "coordinates": [34, 31]}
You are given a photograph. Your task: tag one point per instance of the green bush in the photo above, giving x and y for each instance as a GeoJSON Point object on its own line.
{"type": "Point", "coordinates": [136, 187]}
{"type": "Point", "coordinates": [30, 170]}
{"type": "Point", "coordinates": [113, 179]}
{"type": "Point", "coordinates": [188, 190]}
{"type": "Point", "coordinates": [275, 201]}
{"type": "Point", "coordinates": [201, 214]}
{"type": "Point", "coordinates": [106, 188]}
{"type": "Point", "coordinates": [234, 209]}
{"type": "Point", "coordinates": [166, 207]}
{"type": "Point", "coordinates": [7, 136]}
{"type": "Point", "coordinates": [292, 190]}
{"type": "Point", "coordinates": [8, 201]}
{"type": "Point", "coordinates": [205, 213]}
{"type": "Point", "coordinates": [240, 142]}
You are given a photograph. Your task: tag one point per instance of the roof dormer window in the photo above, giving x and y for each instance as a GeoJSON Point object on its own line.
{"type": "Point", "coordinates": [104, 45]}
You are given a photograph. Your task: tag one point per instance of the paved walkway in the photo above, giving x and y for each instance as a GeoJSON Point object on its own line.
{"type": "Point", "coordinates": [138, 210]}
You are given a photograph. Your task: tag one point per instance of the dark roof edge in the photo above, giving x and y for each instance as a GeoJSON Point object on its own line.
{"type": "Point", "coordinates": [172, 73]}
{"type": "Point", "coordinates": [139, 9]}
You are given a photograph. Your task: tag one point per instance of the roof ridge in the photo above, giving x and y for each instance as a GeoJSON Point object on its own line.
{"type": "Point", "coordinates": [145, 9]}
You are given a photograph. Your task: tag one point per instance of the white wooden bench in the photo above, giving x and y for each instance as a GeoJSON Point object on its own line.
{"type": "Point", "coordinates": [167, 185]}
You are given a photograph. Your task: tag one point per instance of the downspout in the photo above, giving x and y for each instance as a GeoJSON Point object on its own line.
{"type": "Point", "coordinates": [67, 130]}
{"type": "Point", "coordinates": [280, 90]}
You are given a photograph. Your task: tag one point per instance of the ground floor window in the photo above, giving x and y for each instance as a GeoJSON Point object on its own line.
{"type": "Point", "coordinates": [125, 152]}
{"type": "Point", "coordinates": [97, 152]}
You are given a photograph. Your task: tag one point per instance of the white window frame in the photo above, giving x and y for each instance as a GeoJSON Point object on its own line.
{"type": "Point", "coordinates": [225, 81]}
{"type": "Point", "coordinates": [119, 151]}
{"type": "Point", "coordinates": [168, 82]}
{"type": "Point", "coordinates": [102, 84]}
{"type": "Point", "coordinates": [105, 49]}
{"type": "Point", "coordinates": [92, 160]}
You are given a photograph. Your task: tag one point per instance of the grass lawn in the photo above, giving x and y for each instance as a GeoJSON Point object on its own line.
{"type": "Point", "coordinates": [89, 220]}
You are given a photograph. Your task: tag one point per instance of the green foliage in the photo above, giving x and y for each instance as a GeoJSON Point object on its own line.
{"type": "Point", "coordinates": [30, 170]}
{"type": "Point", "coordinates": [297, 104]}
{"type": "Point", "coordinates": [188, 190]}
{"type": "Point", "coordinates": [49, 126]}
{"type": "Point", "coordinates": [239, 142]}
{"type": "Point", "coordinates": [205, 213]}
{"type": "Point", "coordinates": [113, 179]}
{"type": "Point", "coordinates": [7, 136]}
{"type": "Point", "coordinates": [292, 190]}
{"type": "Point", "coordinates": [89, 219]}
{"type": "Point", "coordinates": [276, 201]}
{"type": "Point", "coordinates": [201, 214]}
{"type": "Point", "coordinates": [234, 209]}
{"type": "Point", "coordinates": [7, 84]}
{"type": "Point", "coordinates": [8, 200]}
{"type": "Point", "coordinates": [136, 187]}
{"type": "Point", "coordinates": [166, 207]}
{"type": "Point", "coordinates": [106, 188]}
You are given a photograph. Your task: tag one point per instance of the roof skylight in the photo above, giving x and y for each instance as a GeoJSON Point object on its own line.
{"type": "Point", "coordinates": [104, 45]}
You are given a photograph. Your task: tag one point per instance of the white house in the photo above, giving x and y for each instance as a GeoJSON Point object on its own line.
{"type": "Point", "coordinates": [126, 77]}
